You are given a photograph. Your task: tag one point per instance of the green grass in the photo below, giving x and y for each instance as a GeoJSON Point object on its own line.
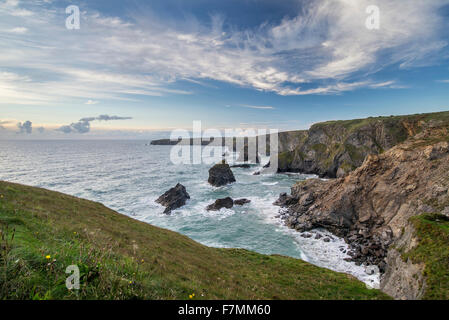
{"type": "Point", "coordinates": [354, 124]}
{"type": "Point", "coordinates": [120, 258]}
{"type": "Point", "coordinates": [285, 159]}
{"type": "Point", "coordinates": [432, 250]}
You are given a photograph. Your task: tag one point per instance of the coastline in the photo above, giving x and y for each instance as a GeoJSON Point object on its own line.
{"type": "Point", "coordinates": [92, 223]}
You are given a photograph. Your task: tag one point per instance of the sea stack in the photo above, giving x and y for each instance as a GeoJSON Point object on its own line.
{"type": "Point", "coordinates": [227, 203]}
{"type": "Point", "coordinates": [221, 175]}
{"type": "Point", "coordinates": [174, 198]}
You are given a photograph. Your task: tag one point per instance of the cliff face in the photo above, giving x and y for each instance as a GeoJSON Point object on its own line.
{"type": "Point", "coordinates": [332, 149]}
{"type": "Point", "coordinates": [372, 206]}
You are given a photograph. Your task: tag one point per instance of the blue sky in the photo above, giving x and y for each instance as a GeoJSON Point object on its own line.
{"type": "Point", "coordinates": [234, 63]}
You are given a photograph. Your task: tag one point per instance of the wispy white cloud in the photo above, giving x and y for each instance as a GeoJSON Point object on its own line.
{"type": "Point", "coordinates": [18, 30]}
{"type": "Point", "coordinates": [258, 107]}
{"type": "Point", "coordinates": [326, 49]}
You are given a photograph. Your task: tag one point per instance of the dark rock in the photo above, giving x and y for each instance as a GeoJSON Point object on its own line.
{"type": "Point", "coordinates": [382, 266]}
{"type": "Point", "coordinates": [306, 200]}
{"type": "Point", "coordinates": [306, 235]}
{"type": "Point", "coordinates": [327, 240]}
{"type": "Point", "coordinates": [241, 202]}
{"type": "Point", "coordinates": [318, 236]}
{"type": "Point", "coordinates": [227, 203]}
{"type": "Point", "coordinates": [257, 173]}
{"type": "Point", "coordinates": [174, 198]}
{"type": "Point", "coordinates": [221, 175]}
{"type": "Point", "coordinates": [243, 166]}
{"type": "Point", "coordinates": [285, 200]}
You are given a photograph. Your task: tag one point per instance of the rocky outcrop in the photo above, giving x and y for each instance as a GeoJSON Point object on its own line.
{"type": "Point", "coordinates": [219, 204]}
{"type": "Point", "coordinates": [371, 207]}
{"type": "Point", "coordinates": [403, 279]}
{"type": "Point", "coordinates": [221, 175]}
{"type": "Point", "coordinates": [227, 203]}
{"type": "Point", "coordinates": [333, 149]}
{"type": "Point", "coordinates": [174, 198]}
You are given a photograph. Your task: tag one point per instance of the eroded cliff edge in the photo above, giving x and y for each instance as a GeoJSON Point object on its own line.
{"type": "Point", "coordinates": [372, 207]}
{"type": "Point", "coordinates": [335, 148]}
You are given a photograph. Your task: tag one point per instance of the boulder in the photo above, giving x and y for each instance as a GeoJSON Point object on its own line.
{"type": "Point", "coordinates": [221, 175]}
{"type": "Point", "coordinates": [227, 203]}
{"type": "Point", "coordinates": [306, 235]}
{"type": "Point", "coordinates": [174, 198]}
{"type": "Point", "coordinates": [445, 212]}
{"type": "Point", "coordinates": [285, 200]}
{"type": "Point", "coordinates": [241, 202]}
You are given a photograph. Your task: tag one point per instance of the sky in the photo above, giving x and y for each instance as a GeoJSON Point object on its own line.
{"type": "Point", "coordinates": [136, 67]}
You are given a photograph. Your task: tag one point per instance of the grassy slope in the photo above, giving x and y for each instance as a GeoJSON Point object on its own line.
{"type": "Point", "coordinates": [354, 124]}
{"type": "Point", "coordinates": [433, 251]}
{"type": "Point", "coordinates": [121, 258]}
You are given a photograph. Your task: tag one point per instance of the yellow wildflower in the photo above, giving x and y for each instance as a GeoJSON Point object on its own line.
{"type": "Point", "coordinates": [48, 257]}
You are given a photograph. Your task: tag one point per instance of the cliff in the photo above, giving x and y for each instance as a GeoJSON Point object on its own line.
{"type": "Point", "coordinates": [332, 149]}
{"type": "Point", "coordinates": [393, 210]}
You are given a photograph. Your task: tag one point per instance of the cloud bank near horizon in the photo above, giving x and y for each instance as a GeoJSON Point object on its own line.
{"type": "Point", "coordinates": [84, 124]}
{"type": "Point", "coordinates": [26, 127]}
{"type": "Point", "coordinates": [325, 49]}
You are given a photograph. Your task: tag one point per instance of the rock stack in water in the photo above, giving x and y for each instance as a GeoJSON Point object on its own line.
{"type": "Point", "coordinates": [174, 198]}
{"type": "Point", "coordinates": [227, 203]}
{"type": "Point", "coordinates": [221, 175]}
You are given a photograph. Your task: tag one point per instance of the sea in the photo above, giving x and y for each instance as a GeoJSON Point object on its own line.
{"type": "Point", "coordinates": [128, 176]}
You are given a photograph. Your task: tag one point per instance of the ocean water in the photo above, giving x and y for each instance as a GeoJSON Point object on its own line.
{"type": "Point", "coordinates": [128, 176]}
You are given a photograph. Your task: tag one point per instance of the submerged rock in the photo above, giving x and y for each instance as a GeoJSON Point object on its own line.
{"type": "Point", "coordinates": [174, 198]}
{"type": "Point", "coordinates": [306, 235]}
{"type": "Point", "coordinates": [243, 166]}
{"type": "Point", "coordinates": [221, 175]}
{"type": "Point", "coordinates": [219, 204]}
{"type": "Point", "coordinates": [241, 202]}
